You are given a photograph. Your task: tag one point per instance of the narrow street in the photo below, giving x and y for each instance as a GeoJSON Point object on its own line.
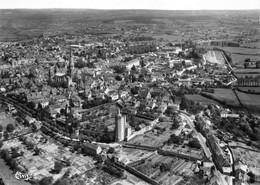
{"type": "Point", "coordinates": [200, 137]}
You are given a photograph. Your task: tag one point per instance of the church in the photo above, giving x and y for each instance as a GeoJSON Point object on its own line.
{"type": "Point", "coordinates": [62, 77]}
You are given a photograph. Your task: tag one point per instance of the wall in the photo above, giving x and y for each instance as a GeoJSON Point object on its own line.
{"type": "Point", "coordinates": [141, 175]}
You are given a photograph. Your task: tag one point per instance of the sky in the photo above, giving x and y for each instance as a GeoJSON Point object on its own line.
{"type": "Point", "coordinates": [134, 4]}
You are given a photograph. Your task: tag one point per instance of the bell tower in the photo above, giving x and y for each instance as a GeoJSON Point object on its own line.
{"type": "Point", "coordinates": [71, 64]}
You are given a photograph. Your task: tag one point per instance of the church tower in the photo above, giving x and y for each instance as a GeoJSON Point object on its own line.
{"type": "Point", "coordinates": [120, 126]}
{"type": "Point", "coordinates": [50, 75]}
{"type": "Point", "coordinates": [71, 64]}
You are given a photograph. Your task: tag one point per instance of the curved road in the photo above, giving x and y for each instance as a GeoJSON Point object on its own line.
{"type": "Point", "coordinates": [200, 137]}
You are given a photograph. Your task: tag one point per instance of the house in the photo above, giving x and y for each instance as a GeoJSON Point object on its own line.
{"type": "Point", "coordinates": [241, 178]}
{"type": "Point", "coordinates": [37, 125]}
{"type": "Point", "coordinates": [59, 98]}
{"type": "Point", "coordinates": [29, 120]}
{"type": "Point", "coordinates": [91, 149]}
{"type": "Point", "coordinates": [53, 110]}
{"type": "Point", "coordinates": [184, 82]}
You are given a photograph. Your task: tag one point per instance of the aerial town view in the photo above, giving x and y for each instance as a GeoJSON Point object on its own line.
{"type": "Point", "coordinates": [129, 92]}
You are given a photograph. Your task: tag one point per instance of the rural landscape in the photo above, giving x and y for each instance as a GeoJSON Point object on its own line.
{"type": "Point", "coordinates": [126, 97]}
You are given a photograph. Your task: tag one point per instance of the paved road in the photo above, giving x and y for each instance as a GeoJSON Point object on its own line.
{"type": "Point", "coordinates": [200, 137]}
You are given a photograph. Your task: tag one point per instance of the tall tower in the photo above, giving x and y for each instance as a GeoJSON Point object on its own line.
{"type": "Point", "coordinates": [120, 126]}
{"type": "Point", "coordinates": [71, 64]}
{"type": "Point", "coordinates": [50, 75]}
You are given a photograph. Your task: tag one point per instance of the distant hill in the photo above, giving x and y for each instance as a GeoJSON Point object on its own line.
{"type": "Point", "coordinates": [20, 24]}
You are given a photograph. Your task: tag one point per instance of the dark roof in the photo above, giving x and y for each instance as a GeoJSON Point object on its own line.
{"type": "Point", "coordinates": [90, 146]}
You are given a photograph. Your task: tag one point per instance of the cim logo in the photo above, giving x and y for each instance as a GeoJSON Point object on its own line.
{"type": "Point", "coordinates": [225, 115]}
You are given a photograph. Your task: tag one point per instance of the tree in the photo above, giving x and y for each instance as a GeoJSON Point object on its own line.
{"type": "Point", "coordinates": [185, 103]}
{"type": "Point", "coordinates": [142, 63]}
{"type": "Point", "coordinates": [165, 167]}
{"type": "Point", "coordinates": [246, 128]}
{"type": "Point", "coordinates": [46, 181]}
{"type": "Point", "coordinates": [62, 182]}
{"type": "Point", "coordinates": [161, 119]}
{"type": "Point", "coordinates": [37, 151]}
{"type": "Point", "coordinates": [10, 127]}
{"type": "Point", "coordinates": [62, 112]}
{"type": "Point", "coordinates": [247, 60]}
{"type": "Point", "coordinates": [111, 150]}
{"type": "Point", "coordinates": [39, 106]}
{"type": "Point", "coordinates": [30, 105]}
{"type": "Point", "coordinates": [175, 124]}
{"type": "Point", "coordinates": [6, 135]}
{"type": "Point", "coordinates": [119, 68]}
{"type": "Point", "coordinates": [174, 139]}
{"type": "Point", "coordinates": [252, 177]}
{"type": "Point", "coordinates": [58, 166]}
{"type": "Point", "coordinates": [118, 78]}
{"type": "Point", "coordinates": [194, 143]}
{"type": "Point", "coordinates": [15, 153]}
{"type": "Point", "coordinates": [183, 63]}
{"type": "Point", "coordinates": [1, 144]}
{"type": "Point", "coordinates": [133, 68]}
{"type": "Point", "coordinates": [1, 128]}
{"type": "Point", "coordinates": [256, 134]}
{"type": "Point", "coordinates": [134, 90]}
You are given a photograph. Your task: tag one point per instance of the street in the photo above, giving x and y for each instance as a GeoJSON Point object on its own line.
{"type": "Point", "coordinates": [200, 137]}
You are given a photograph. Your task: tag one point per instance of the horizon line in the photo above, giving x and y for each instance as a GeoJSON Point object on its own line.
{"type": "Point", "coordinates": [129, 9]}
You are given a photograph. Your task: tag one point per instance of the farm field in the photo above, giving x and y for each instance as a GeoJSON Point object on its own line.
{"type": "Point", "coordinates": [247, 71]}
{"type": "Point", "coordinates": [199, 98]}
{"type": "Point", "coordinates": [249, 99]}
{"type": "Point", "coordinates": [252, 44]}
{"type": "Point", "coordinates": [240, 59]}
{"type": "Point", "coordinates": [241, 50]}
{"type": "Point", "coordinates": [244, 75]}
{"type": "Point", "coordinates": [250, 89]}
{"type": "Point", "coordinates": [175, 38]}
{"type": "Point", "coordinates": [226, 95]}
{"type": "Point", "coordinates": [239, 54]}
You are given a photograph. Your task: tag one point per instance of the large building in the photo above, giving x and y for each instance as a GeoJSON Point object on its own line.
{"type": "Point", "coordinates": [62, 78]}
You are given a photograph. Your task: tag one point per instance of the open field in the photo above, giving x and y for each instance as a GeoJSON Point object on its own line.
{"type": "Point", "coordinates": [250, 89]}
{"type": "Point", "coordinates": [239, 54]}
{"type": "Point", "coordinates": [247, 71]}
{"type": "Point", "coordinates": [175, 38]}
{"type": "Point", "coordinates": [199, 98]}
{"type": "Point", "coordinates": [241, 50]}
{"type": "Point", "coordinates": [252, 45]}
{"type": "Point", "coordinates": [244, 75]}
{"type": "Point", "coordinates": [240, 59]}
{"type": "Point", "coordinates": [226, 95]}
{"type": "Point", "coordinates": [249, 100]}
